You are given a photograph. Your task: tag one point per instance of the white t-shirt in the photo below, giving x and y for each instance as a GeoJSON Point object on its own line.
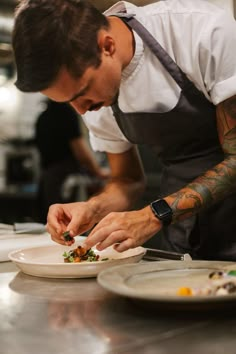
{"type": "Point", "coordinates": [199, 36]}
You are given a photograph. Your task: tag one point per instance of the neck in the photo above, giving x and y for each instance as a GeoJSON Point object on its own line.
{"type": "Point", "coordinates": [124, 38]}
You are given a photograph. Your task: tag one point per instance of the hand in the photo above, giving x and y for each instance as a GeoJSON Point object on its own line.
{"type": "Point", "coordinates": [124, 230]}
{"type": "Point", "coordinates": [74, 217]}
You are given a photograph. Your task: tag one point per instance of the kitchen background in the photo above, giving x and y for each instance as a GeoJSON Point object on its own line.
{"type": "Point", "coordinates": [19, 160]}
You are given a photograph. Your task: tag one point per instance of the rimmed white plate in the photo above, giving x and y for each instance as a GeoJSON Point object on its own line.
{"type": "Point", "coordinates": [158, 282]}
{"type": "Point", "coordinates": [47, 261]}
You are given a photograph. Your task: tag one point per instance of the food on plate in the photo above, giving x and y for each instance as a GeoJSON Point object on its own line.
{"type": "Point", "coordinates": [219, 283]}
{"type": "Point", "coordinates": [80, 254]}
{"type": "Point", "coordinates": [217, 274]}
{"type": "Point", "coordinates": [184, 291]}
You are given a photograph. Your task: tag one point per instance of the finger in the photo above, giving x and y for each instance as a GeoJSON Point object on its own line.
{"type": "Point", "coordinates": [123, 246]}
{"type": "Point", "coordinates": [96, 236]}
{"type": "Point", "coordinates": [67, 238]}
{"type": "Point", "coordinates": [58, 240]}
{"type": "Point", "coordinates": [113, 238]}
{"type": "Point", "coordinates": [56, 235]}
{"type": "Point", "coordinates": [55, 224]}
{"type": "Point", "coordinates": [76, 226]}
{"type": "Point", "coordinates": [52, 231]}
{"type": "Point", "coordinates": [70, 243]}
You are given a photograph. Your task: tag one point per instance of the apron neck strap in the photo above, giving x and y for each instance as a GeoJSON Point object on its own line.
{"type": "Point", "coordinates": [173, 69]}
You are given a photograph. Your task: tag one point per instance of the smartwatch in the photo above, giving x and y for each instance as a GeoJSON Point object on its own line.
{"type": "Point", "coordinates": [162, 211]}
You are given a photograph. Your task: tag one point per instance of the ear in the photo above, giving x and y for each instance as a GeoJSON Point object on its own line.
{"type": "Point", "coordinates": [106, 44]}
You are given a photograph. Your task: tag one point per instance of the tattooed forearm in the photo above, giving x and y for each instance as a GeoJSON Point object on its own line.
{"type": "Point", "coordinates": [229, 106]}
{"type": "Point", "coordinates": [218, 182]}
{"type": "Point", "coordinates": [185, 204]}
{"type": "Point", "coordinates": [229, 144]}
{"type": "Point", "coordinates": [205, 190]}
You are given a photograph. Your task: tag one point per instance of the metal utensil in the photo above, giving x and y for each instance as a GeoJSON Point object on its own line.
{"type": "Point", "coordinates": [157, 254]}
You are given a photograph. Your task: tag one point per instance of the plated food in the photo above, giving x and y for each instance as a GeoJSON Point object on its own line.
{"type": "Point", "coordinates": [80, 254]}
{"type": "Point", "coordinates": [219, 282]}
{"type": "Point", "coordinates": [48, 261]}
{"type": "Point", "coordinates": [157, 284]}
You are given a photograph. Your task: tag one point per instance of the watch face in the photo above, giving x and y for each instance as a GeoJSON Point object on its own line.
{"type": "Point", "coordinates": [162, 208]}
{"type": "Point", "coordinates": [162, 211]}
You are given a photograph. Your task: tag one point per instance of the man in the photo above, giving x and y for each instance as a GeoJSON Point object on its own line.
{"type": "Point", "coordinates": [168, 71]}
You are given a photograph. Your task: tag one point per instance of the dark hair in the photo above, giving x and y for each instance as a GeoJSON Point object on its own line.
{"type": "Point", "coordinates": [51, 34]}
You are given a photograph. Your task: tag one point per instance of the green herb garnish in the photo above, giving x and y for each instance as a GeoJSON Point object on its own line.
{"type": "Point", "coordinates": [67, 236]}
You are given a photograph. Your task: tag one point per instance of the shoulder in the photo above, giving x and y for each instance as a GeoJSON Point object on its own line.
{"type": "Point", "coordinates": [182, 13]}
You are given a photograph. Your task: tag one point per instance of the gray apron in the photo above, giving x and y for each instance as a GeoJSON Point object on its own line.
{"type": "Point", "coordinates": [186, 142]}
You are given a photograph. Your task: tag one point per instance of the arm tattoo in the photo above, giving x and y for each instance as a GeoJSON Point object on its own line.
{"type": "Point", "coordinates": [227, 119]}
{"type": "Point", "coordinates": [230, 107]}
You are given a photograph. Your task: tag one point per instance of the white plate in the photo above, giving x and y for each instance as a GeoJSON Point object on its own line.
{"type": "Point", "coordinates": [47, 261]}
{"type": "Point", "coordinates": [159, 282]}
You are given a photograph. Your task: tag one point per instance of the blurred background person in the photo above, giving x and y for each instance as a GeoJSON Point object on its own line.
{"type": "Point", "coordinates": [63, 151]}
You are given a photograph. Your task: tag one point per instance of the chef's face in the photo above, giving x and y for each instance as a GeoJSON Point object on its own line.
{"type": "Point", "coordinates": [96, 88]}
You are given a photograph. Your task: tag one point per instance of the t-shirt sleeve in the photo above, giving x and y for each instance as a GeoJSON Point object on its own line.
{"type": "Point", "coordinates": [104, 132]}
{"type": "Point", "coordinates": [218, 57]}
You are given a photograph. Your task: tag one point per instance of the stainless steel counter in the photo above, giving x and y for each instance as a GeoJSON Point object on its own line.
{"type": "Point", "coordinates": [66, 316]}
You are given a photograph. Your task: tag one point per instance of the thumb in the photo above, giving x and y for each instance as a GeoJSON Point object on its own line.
{"type": "Point", "coordinates": [72, 228]}
{"type": "Point", "coordinates": [76, 229]}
